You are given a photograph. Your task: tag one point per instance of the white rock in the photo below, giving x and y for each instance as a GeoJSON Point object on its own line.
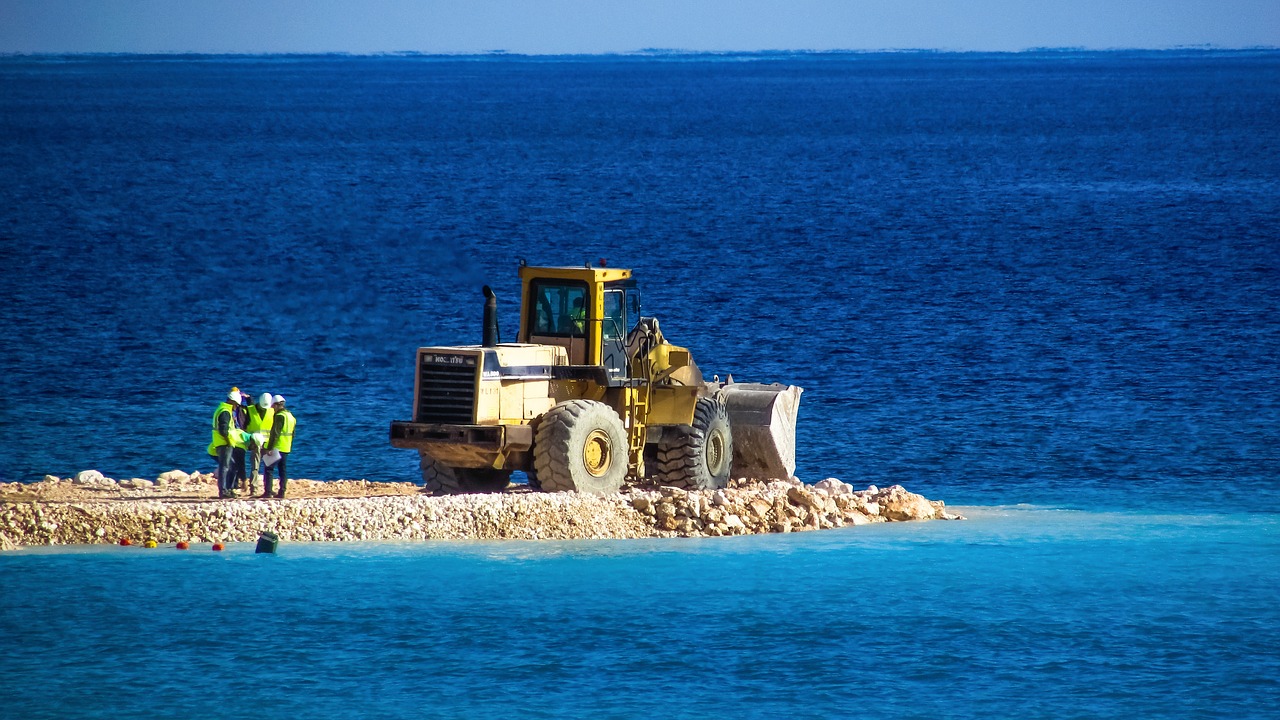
{"type": "Point", "coordinates": [172, 476]}
{"type": "Point", "coordinates": [833, 486]}
{"type": "Point", "coordinates": [89, 477]}
{"type": "Point", "coordinates": [719, 499]}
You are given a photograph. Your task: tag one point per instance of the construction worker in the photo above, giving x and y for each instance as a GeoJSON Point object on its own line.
{"type": "Point", "coordinates": [280, 442]}
{"type": "Point", "coordinates": [579, 316]}
{"type": "Point", "coordinates": [258, 427]}
{"type": "Point", "coordinates": [237, 453]}
{"type": "Point", "coordinates": [227, 436]}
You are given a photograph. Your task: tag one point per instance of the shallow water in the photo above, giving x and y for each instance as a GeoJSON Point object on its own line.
{"type": "Point", "coordinates": [1018, 612]}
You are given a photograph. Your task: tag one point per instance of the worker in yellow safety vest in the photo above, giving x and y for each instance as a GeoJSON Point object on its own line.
{"type": "Point", "coordinates": [238, 480]}
{"type": "Point", "coordinates": [279, 445]}
{"type": "Point", "coordinates": [227, 437]}
{"type": "Point", "coordinates": [579, 316]}
{"type": "Point", "coordinates": [258, 427]}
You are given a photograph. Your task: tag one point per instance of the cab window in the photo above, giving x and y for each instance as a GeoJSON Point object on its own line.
{"type": "Point", "coordinates": [559, 308]}
{"type": "Point", "coordinates": [615, 315]}
{"type": "Point", "coordinates": [633, 306]}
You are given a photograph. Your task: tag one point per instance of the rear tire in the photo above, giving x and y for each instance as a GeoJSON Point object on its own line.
{"type": "Point", "coordinates": [698, 456]}
{"type": "Point", "coordinates": [581, 446]}
{"type": "Point", "coordinates": [444, 480]}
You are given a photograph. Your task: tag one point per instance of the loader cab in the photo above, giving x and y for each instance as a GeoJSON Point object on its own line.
{"type": "Point", "coordinates": [587, 311]}
{"type": "Point", "coordinates": [621, 311]}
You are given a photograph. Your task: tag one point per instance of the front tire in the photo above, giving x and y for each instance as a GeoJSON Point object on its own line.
{"type": "Point", "coordinates": [441, 479]}
{"type": "Point", "coordinates": [581, 446]}
{"type": "Point", "coordinates": [698, 456]}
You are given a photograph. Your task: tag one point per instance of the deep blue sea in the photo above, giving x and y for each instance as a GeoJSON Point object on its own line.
{"type": "Point", "coordinates": [1043, 286]}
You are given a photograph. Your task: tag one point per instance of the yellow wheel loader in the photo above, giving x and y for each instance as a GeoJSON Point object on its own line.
{"type": "Point", "coordinates": [591, 395]}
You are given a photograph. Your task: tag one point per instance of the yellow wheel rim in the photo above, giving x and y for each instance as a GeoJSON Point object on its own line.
{"type": "Point", "coordinates": [715, 453]}
{"type": "Point", "coordinates": [597, 453]}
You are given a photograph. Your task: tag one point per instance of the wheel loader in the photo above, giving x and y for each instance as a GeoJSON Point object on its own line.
{"type": "Point", "coordinates": [589, 397]}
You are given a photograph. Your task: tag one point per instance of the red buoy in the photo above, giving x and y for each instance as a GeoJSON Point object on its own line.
{"type": "Point", "coordinates": [182, 544]}
{"type": "Point", "coordinates": [217, 547]}
{"type": "Point", "coordinates": [126, 541]}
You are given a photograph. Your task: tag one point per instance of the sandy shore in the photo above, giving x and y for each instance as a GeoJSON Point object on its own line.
{"type": "Point", "coordinates": [176, 506]}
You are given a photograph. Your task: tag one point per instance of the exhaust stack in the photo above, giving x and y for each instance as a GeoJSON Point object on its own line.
{"type": "Point", "coordinates": [490, 317]}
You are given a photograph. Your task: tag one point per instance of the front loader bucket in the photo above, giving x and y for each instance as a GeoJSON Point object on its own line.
{"type": "Point", "coordinates": [763, 422]}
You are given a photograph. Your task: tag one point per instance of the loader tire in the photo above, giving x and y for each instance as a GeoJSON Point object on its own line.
{"type": "Point", "coordinates": [444, 480]}
{"type": "Point", "coordinates": [698, 456]}
{"type": "Point", "coordinates": [580, 446]}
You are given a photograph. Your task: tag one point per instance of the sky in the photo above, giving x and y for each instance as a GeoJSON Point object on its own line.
{"type": "Point", "coordinates": [620, 26]}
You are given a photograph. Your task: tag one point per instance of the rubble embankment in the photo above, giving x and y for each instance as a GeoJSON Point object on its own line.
{"type": "Point", "coordinates": [177, 506]}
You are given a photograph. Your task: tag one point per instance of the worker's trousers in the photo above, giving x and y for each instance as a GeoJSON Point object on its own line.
{"type": "Point", "coordinates": [255, 462]}
{"type": "Point", "coordinates": [266, 475]}
{"type": "Point", "coordinates": [237, 468]}
{"type": "Point", "coordinates": [226, 471]}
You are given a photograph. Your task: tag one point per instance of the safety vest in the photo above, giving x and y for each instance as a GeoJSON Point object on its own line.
{"type": "Point", "coordinates": [259, 420]}
{"type": "Point", "coordinates": [233, 429]}
{"type": "Point", "coordinates": [284, 443]}
{"type": "Point", "coordinates": [579, 316]}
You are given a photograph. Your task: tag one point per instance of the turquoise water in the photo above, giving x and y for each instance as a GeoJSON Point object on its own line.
{"type": "Point", "coordinates": [1019, 612]}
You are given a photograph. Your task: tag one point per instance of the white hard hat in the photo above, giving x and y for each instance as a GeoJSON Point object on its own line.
{"type": "Point", "coordinates": [277, 399]}
{"type": "Point", "coordinates": [234, 396]}
{"type": "Point", "coordinates": [264, 400]}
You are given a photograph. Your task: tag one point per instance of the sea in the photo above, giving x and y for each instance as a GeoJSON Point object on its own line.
{"type": "Point", "coordinates": [1043, 287]}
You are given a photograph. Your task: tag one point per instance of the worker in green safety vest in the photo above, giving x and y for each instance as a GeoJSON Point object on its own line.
{"type": "Point", "coordinates": [279, 445]}
{"type": "Point", "coordinates": [227, 436]}
{"type": "Point", "coordinates": [258, 427]}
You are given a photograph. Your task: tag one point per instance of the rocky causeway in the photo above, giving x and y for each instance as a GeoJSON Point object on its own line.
{"type": "Point", "coordinates": [183, 507]}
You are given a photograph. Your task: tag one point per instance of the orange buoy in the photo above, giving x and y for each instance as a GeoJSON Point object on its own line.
{"type": "Point", "coordinates": [182, 545]}
{"type": "Point", "coordinates": [126, 541]}
{"type": "Point", "coordinates": [217, 547]}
